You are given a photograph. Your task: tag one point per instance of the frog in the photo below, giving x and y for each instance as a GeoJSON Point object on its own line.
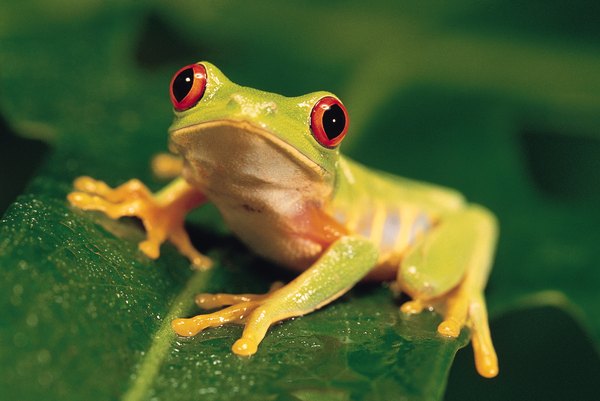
{"type": "Point", "coordinates": [272, 166]}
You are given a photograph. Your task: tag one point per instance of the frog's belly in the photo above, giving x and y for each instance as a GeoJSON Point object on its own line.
{"type": "Point", "coordinates": [268, 235]}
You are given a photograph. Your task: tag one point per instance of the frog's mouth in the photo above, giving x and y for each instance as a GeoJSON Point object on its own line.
{"type": "Point", "coordinates": [243, 153]}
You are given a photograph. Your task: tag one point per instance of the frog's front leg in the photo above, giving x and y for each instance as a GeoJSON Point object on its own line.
{"type": "Point", "coordinates": [450, 265]}
{"type": "Point", "coordinates": [162, 214]}
{"type": "Point", "coordinates": [345, 262]}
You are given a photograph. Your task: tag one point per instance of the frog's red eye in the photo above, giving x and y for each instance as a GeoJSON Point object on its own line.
{"type": "Point", "coordinates": [187, 86]}
{"type": "Point", "coordinates": [329, 121]}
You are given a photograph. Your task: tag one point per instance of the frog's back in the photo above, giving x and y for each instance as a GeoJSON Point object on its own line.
{"type": "Point", "coordinates": [362, 184]}
{"type": "Point", "coordinates": [389, 210]}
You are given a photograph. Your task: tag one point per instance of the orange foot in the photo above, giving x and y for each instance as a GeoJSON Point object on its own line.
{"type": "Point", "coordinates": [463, 308]}
{"type": "Point", "coordinates": [162, 214]}
{"type": "Point", "coordinates": [239, 309]}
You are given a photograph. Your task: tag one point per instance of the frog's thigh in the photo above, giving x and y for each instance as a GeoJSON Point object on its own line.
{"type": "Point", "coordinates": [452, 264]}
{"type": "Point", "coordinates": [464, 241]}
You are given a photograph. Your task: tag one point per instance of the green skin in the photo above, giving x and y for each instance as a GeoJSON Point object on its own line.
{"type": "Point", "coordinates": [348, 185]}
{"type": "Point", "coordinates": [455, 256]}
{"type": "Point", "coordinates": [253, 154]}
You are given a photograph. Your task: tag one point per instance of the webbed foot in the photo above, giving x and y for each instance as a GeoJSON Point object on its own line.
{"type": "Point", "coordinates": [462, 309]}
{"type": "Point", "coordinates": [162, 214]}
{"type": "Point", "coordinates": [239, 307]}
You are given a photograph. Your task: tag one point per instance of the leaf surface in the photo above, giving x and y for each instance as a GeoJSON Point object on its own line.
{"type": "Point", "coordinates": [488, 108]}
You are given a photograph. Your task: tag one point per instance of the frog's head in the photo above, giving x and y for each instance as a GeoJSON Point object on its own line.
{"type": "Point", "coordinates": [264, 136]}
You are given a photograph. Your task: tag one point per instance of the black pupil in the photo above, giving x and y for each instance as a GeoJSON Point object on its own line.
{"type": "Point", "coordinates": [334, 121]}
{"type": "Point", "coordinates": [183, 83]}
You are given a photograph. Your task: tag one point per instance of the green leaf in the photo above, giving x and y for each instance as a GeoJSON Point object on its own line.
{"type": "Point", "coordinates": [85, 307]}
{"type": "Point", "coordinates": [480, 99]}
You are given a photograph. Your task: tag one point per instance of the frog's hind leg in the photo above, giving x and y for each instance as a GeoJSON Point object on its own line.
{"type": "Point", "coordinates": [450, 266]}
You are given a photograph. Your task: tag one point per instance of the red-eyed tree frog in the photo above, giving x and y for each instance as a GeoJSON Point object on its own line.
{"type": "Point", "coordinates": [272, 166]}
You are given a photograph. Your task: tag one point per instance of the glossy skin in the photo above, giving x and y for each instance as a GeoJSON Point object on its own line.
{"type": "Point", "coordinates": [291, 199]}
